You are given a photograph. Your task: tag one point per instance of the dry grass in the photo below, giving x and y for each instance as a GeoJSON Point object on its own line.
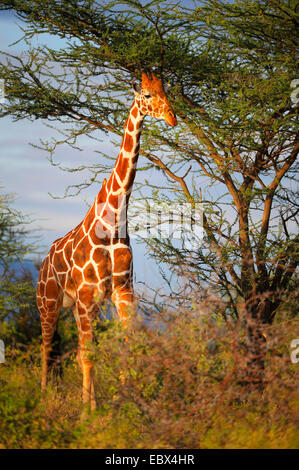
{"type": "Point", "coordinates": [182, 390]}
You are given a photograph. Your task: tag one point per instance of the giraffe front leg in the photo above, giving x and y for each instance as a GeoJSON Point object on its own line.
{"type": "Point", "coordinates": [45, 361]}
{"type": "Point", "coordinates": [87, 368]}
{"type": "Point", "coordinates": [47, 348]}
{"type": "Point", "coordinates": [126, 304]}
{"type": "Point", "coordinates": [84, 324]}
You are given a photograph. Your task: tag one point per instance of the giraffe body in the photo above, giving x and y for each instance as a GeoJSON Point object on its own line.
{"type": "Point", "coordinates": [93, 262]}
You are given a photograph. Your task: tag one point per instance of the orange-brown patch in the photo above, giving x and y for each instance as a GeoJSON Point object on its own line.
{"type": "Point", "coordinates": [122, 167]}
{"type": "Point", "coordinates": [70, 284]}
{"type": "Point", "coordinates": [85, 324]}
{"type": "Point", "coordinates": [89, 273]}
{"type": "Point", "coordinates": [68, 251]}
{"type": "Point", "coordinates": [130, 126]}
{"type": "Point", "coordinates": [86, 295]}
{"type": "Point", "coordinates": [79, 236]}
{"type": "Point", "coordinates": [103, 261]}
{"type": "Point", "coordinates": [106, 287]}
{"type": "Point", "coordinates": [115, 200]}
{"type": "Point", "coordinates": [119, 281]}
{"type": "Point", "coordinates": [134, 112]}
{"type": "Point", "coordinates": [77, 277]}
{"type": "Point", "coordinates": [122, 259]}
{"type": "Point", "coordinates": [51, 307]}
{"type": "Point", "coordinates": [100, 254]}
{"type": "Point", "coordinates": [82, 252]}
{"type": "Point", "coordinates": [59, 263]}
{"type": "Point", "coordinates": [51, 289]}
{"type": "Point", "coordinates": [128, 143]}
{"type": "Point", "coordinates": [61, 244]}
{"type": "Point", "coordinates": [115, 184]}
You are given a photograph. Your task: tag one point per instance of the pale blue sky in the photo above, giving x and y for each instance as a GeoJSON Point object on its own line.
{"type": "Point", "coordinates": [26, 171]}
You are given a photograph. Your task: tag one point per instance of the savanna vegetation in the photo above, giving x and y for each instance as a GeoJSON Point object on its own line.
{"type": "Point", "coordinates": [178, 384]}
{"type": "Point", "coordinates": [210, 367]}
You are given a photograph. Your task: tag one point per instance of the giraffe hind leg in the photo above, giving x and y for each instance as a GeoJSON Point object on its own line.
{"type": "Point", "coordinates": [51, 352]}
{"type": "Point", "coordinates": [49, 309]}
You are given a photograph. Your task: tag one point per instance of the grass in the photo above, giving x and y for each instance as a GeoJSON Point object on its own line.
{"type": "Point", "coordinates": [179, 392]}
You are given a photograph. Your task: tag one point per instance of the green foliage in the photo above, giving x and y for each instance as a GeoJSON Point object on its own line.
{"type": "Point", "coordinates": [26, 421]}
{"type": "Point", "coordinates": [12, 234]}
{"type": "Point", "coordinates": [19, 317]}
{"type": "Point", "coordinates": [231, 66]}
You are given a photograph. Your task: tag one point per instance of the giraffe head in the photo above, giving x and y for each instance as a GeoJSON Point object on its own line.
{"type": "Point", "coordinates": [152, 101]}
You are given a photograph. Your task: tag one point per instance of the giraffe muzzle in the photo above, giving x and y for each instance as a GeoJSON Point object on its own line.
{"type": "Point", "coordinates": [170, 118]}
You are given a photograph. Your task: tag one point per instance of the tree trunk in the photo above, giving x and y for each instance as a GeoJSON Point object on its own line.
{"type": "Point", "coordinates": [255, 322]}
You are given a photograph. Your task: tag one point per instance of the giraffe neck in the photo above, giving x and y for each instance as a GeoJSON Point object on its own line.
{"type": "Point", "coordinates": [112, 211]}
{"type": "Point", "coordinates": [123, 175]}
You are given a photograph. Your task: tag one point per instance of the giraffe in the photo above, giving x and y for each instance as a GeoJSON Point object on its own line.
{"type": "Point", "coordinates": [93, 262]}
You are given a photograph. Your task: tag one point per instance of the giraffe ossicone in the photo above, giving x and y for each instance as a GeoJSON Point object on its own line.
{"type": "Point", "coordinates": [93, 262]}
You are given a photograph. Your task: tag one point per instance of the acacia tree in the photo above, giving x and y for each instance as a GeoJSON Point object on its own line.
{"type": "Point", "coordinates": [19, 317]}
{"type": "Point", "coordinates": [232, 66]}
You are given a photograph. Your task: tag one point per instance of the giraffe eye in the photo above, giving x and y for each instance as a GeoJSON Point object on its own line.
{"type": "Point", "coordinates": [147, 96]}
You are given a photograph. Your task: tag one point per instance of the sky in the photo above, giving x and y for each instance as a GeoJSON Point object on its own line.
{"type": "Point", "coordinates": [26, 172]}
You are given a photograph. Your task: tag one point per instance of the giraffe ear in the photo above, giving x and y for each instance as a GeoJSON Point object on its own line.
{"type": "Point", "coordinates": [136, 88]}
